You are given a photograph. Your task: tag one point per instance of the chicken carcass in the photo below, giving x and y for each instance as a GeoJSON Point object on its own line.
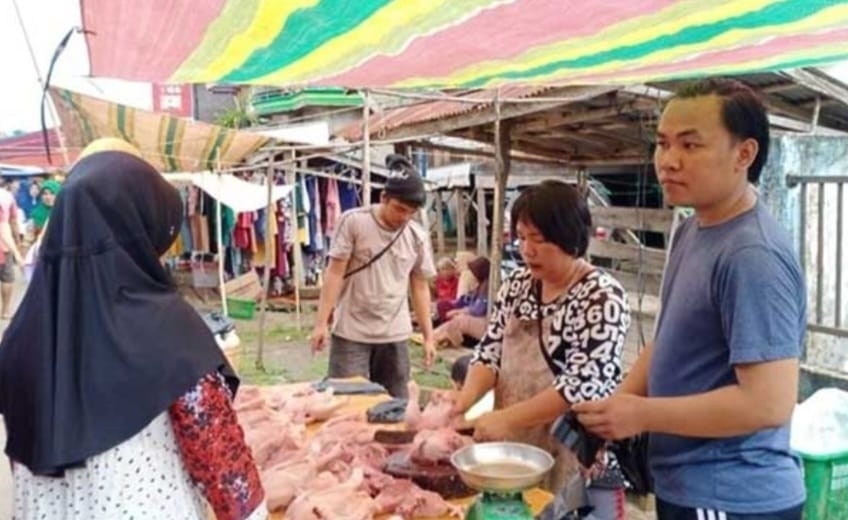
{"type": "Point", "coordinates": [435, 446]}
{"type": "Point", "coordinates": [404, 498]}
{"type": "Point", "coordinates": [347, 501]}
{"type": "Point", "coordinates": [437, 413]}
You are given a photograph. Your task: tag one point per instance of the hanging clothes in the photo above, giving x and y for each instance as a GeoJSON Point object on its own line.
{"type": "Point", "coordinates": [281, 265]}
{"type": "Point", "coordinates": [302, 207]}
{"type": "Point", "coordinates": [332, 207]}
{"type": "Point", "coordinates": [347, 196]}
{"type": "Point", "coordinates": [316, 238]}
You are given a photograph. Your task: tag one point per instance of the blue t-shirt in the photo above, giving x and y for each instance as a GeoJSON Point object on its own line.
{"type": "Point", "coordinates": [733, 293]}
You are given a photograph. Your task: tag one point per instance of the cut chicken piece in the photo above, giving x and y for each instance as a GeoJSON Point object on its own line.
{"type": "Point", "coordinates": [436, 446]}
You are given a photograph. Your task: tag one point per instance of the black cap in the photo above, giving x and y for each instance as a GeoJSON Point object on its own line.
{"type": "Point", "coordinates": [404, 182]}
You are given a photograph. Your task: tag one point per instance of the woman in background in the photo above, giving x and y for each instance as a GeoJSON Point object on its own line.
{"type": "Point", "coordinates": [49, 189]}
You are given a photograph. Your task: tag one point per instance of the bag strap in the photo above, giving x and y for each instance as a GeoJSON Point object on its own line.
{"type": "Point", "coordinates": [376, 257]}
{"type": "Point", "coordinates": [537, 289]}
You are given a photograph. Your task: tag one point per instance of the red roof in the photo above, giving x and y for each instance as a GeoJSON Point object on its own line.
{"type": "Point", "coordinates": [28, 150]}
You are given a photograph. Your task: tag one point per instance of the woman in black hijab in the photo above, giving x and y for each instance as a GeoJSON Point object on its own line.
{"type": "Point", "coordinates": [115, 396]}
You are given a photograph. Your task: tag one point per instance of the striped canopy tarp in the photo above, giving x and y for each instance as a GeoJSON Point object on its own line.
{"type": "Point", "coordinates": [457, 43]}
{"type": "Point", "coordinates": [169, 143]}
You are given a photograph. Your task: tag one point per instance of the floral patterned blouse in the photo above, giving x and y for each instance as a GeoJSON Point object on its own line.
{"type": "Point", "coordinates": [213, 450]}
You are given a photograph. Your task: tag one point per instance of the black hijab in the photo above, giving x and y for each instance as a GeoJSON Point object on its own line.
{"type": "Point", "coordinates": [102, 342]}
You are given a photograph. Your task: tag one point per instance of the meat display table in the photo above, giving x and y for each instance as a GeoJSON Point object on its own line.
{"type": "Point", "coordinates": [537, 498]}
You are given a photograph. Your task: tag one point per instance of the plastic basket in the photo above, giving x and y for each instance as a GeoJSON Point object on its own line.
{"type": "Point", "coordinates": [826, 480]}
{"type": "Point", "coordinates": [241, 309]}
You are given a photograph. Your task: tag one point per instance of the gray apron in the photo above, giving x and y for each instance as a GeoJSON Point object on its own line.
{"type": "Point", "coordinates": [523, 374]}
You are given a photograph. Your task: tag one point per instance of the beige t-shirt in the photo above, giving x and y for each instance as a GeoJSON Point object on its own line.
{"type": "Point", "coordinates": [374, 306]}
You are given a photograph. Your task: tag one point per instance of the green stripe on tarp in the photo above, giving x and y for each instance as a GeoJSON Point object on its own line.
{"type": "Point", "coordinates": [304, 31]}
{"type": "Point", "coordinates": [86, 129]}
{"type": "Point", "coordinates": [211, 159]}
{"type": "Point", "coordinates": [170, 144]}
{"type": "Point", "coordinates": [775, 14]}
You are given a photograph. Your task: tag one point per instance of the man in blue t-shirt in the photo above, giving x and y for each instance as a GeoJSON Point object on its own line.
{"type": "Point", "coordinates": [717, 387]}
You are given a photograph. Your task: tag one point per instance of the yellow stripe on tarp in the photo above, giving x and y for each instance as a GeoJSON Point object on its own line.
{"type": "Point", "coordinates": [835, 16]}
{"type": "Point", "coordinates": [388, 31]}
{"type": "Point", "coordinates": [821, 53]}
{"type": "Point", "coordinates": [242, 28]}
{"type": "Point", "coordinates": [678, 16]}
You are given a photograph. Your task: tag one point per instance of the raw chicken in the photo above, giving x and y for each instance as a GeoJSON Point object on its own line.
{"type": "Point", "coordinates": [410, 501]}
{"type": "Point", "coordinates": [284, 482]}
{"type": "Point", "coordinates": [435, 446]}
{"type": "Point", "coordinates": [345, 501]}
{"type": "Point", "coordinates": [437, 413]}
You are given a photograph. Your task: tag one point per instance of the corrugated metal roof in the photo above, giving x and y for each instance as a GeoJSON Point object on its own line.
{"type": "Point", "coordinates": [435, 110]}
{"type": "Point", "coordinates": [28, 150]}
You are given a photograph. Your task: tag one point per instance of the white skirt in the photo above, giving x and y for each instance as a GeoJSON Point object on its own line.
{"type": "Point", "coordinates": [143, 478]}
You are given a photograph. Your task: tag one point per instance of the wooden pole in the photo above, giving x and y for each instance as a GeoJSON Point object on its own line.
{"type": "Point", "coordinates": [459, 194]}
{"type": "Point", "coordinates": [266, 275]}
{"type": "Point", "coordinates": [366, 150]}
{"type": "Point", "coordinates": [502, 145]}
{"type": "Point", "coordinates": [219, 236]}
{"type": "Point", "coordinates": [482, 225]}
{"type": "Point", "coordinates": [440, 222]}
{"type": "Point", "coordinates": [291, 179]}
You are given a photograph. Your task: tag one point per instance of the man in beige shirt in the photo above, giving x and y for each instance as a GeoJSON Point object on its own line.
{"type": "Point", "coordinates": [378, 255]}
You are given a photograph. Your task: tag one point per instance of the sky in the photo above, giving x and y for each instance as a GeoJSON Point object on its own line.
{"type": "Point", "coordinates": [20, 90]}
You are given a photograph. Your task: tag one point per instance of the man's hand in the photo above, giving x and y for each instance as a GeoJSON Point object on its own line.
{"type": "Point", "coordinates": [492, 426]}
{"type": "Point", "coordinates": [429, 352]}
{"type": "Point", "coordinates": [617, 417]}
{"type": "Point", "coordinates": [318, 338]}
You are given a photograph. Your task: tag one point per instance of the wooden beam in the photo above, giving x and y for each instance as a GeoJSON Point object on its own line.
{"type": "Point", "coordinates": [652, 259]}
{"type": "Point", "coordinates": [482, 223]}
{"type": "Point", "coordinates": [440, 222]}
{"type": "Point", "coordinates": [582, 116]}
{"type": "Point", "coordinates": [636, 284]}
{"type": "Point", "coordinates": [819, 83]}
{"type": "Point", "coordinates": [643, 219]}
{"type": "Point", "coordinates": [473, 152]}
{"type": "Point", "coordinates": [486, 116]}
{"type": "Point", "coordinates": [460, 218]}
{"type": "Point", "coordinates": [780, 87]}
{"type": "Point", "coordinates": [799, 126]}
{"type": "Point", "coordinates": [502, 164]}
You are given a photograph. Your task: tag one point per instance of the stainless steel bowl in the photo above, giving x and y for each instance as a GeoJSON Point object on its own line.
{"type": "Point", "coordinates": [502, 466]}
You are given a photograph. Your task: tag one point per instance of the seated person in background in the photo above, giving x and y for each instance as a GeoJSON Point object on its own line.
{"type": "Point", "coordinates": [464, 320]}
{"type": "Point", "coordinates": [447, 281]}
{"type": "Point", "coordinates": [459, 370]}
{"type": "Point", "coordinates": [467, 282]}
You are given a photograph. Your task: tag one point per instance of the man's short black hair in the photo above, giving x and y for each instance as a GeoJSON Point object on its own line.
{"type": "Point", "coordinates": [559, 211]}
{"type": "Point", "coordinates": [742, 112]}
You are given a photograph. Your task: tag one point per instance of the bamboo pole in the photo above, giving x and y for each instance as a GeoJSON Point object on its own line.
{"type": "Point", "coordinates": [502, 143]}
{"type": "Point", "coordinates": [366, 150]}
{"type": "Point", "coordinates": [266, 275]}
{"type": "Point", "coordinates": [291, 180]}
{"type": "Point", "coordinates": [219, 235]}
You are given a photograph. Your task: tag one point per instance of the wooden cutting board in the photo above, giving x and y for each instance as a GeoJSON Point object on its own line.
{"type": "Point", "coordinates": [441, 478]}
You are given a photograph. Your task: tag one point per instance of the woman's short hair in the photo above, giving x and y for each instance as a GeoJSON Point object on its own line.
{"type": "Point", "coordinates": [559, 211]}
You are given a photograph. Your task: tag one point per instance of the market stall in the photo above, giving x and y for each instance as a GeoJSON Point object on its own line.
{"type": "Point", "coordinates": [536, 498]}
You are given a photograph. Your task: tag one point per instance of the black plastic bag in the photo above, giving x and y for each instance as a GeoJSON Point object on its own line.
{"type": "Point", "coordinates": [573, 435]}
{"type": "Point", "coordinates": [632, 456]}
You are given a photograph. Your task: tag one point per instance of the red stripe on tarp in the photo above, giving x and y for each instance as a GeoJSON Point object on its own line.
{"type": "Point", "coordinates": [144, 40]}
{"type": "Point", "coordinates": [495, 34]}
